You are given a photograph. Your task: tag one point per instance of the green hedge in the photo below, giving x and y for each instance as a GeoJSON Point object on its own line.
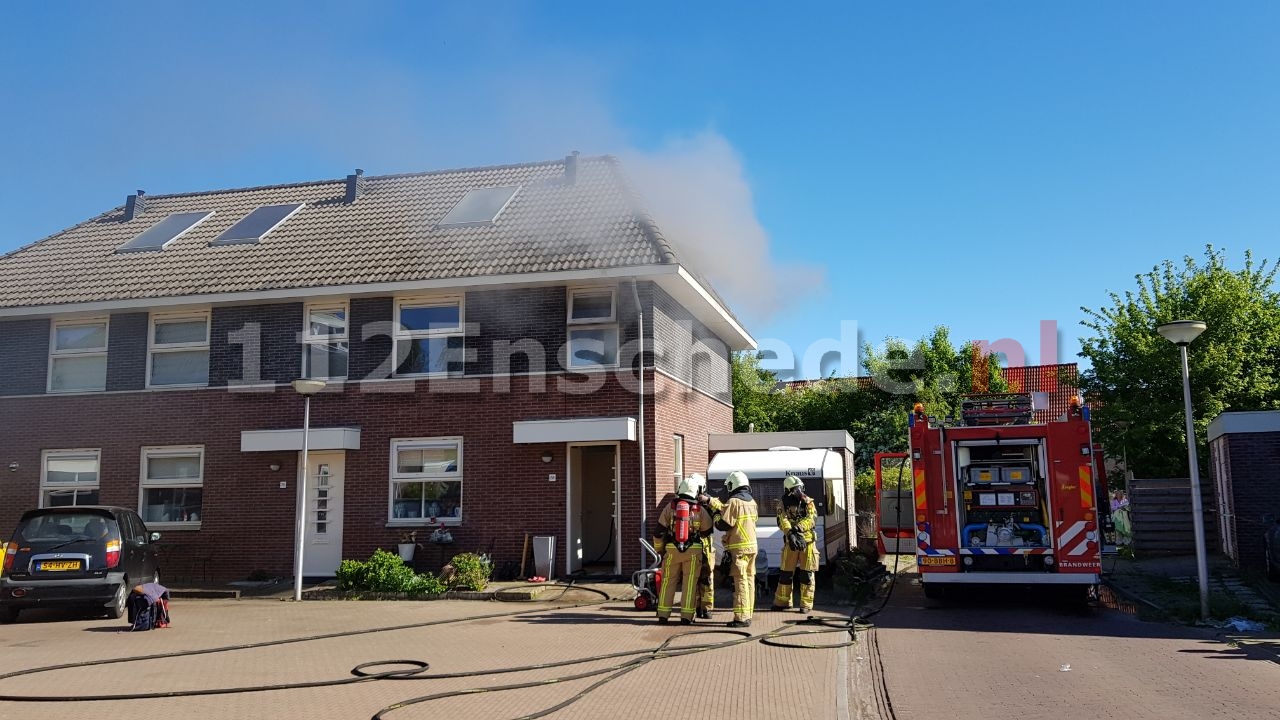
{"type": "Point", "coordinates": [386, 572]}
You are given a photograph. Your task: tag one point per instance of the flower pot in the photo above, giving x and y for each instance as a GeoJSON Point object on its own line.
{"type": "Point", "coordinates": [406, 551]}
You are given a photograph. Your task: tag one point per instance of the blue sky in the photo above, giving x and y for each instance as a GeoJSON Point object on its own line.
{"type": "Point", "coordinates": [985, 166]}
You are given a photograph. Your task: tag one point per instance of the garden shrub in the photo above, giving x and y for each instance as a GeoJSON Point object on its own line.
{"type": "Point", "coordinates": [471, 571]}
{"type": "Point", "coordinates": [385, 572]}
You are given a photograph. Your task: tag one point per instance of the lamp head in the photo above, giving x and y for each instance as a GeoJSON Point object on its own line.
{"type": "Point", "coordinates": [307, 386]}
{"type": "Point", "coordinates": [1182, 332]}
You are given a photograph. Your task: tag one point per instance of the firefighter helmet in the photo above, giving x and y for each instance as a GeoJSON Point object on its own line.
{"type": "Point", "coordinates": [792, 483]}
{"type": "Point", "coordinates": [736, 479]}
{"type": "Point", "coordinates": [688, 487]}
{"type": "Point", "coordinates": [699, 481]}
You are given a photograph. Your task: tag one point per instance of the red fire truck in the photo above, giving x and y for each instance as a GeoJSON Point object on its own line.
{"type": "Point", "coordinates": [1000, 499]}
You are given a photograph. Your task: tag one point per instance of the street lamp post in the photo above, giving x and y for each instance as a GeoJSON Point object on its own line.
{"type": "Point", "coordinates": [1182, 333]}
{"type": "Point", "coordinates": [306, 388]}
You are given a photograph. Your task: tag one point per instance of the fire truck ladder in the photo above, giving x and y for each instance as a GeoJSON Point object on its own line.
{"type": "Point", "coordinates": [996, 409]}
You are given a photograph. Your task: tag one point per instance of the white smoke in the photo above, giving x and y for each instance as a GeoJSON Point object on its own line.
{"type": "Point", "coordinates": [698, 192]}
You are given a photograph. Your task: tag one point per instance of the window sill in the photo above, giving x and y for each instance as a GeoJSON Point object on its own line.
{"type": "Point", "coordinates": [422, 524]}
{"type": "Point", "coordinates": [172, 525]}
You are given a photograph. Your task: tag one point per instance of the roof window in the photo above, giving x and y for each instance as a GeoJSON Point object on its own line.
{"type": "Point", "coordinates": [158, 236]}
{"type": "Point", "coordinates": [480, 206]}
{"type": "Point", "coordinates": [257, 224]}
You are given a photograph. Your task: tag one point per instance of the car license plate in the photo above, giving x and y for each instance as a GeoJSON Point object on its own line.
{"type": "Point", "coordinates": [58, 565]}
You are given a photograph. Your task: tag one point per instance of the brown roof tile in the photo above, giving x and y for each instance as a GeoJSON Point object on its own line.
{"type": "Point", "coordinates": [387, 235]}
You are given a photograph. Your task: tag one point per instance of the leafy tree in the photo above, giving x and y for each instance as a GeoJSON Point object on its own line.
{"type": "Point", "coordinates": [752, 388]}
{"type": "Point", "coordinates": [1136, 379]}
{"type": "Point", "coordinates": [872, 409]}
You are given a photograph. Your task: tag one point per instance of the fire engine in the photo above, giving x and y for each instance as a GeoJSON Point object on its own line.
{"type": "Point", "coordinates": [1001, 499]}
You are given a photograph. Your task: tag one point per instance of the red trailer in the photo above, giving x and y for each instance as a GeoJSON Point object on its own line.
{"type": "Point", "coordinates": [1002, 500]}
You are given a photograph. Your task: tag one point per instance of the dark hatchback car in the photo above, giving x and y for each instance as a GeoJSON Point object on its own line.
{"type": "Point", "coordinates": [76, 557]}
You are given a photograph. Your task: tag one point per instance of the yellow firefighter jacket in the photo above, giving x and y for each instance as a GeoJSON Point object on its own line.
{"type": "Point", "coordinates": [802, 516]}
{"type": "Point", "coordinates": [739, 516]}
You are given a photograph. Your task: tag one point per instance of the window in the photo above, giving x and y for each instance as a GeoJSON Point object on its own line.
{"type": "Point", "coordinates": [426, 480]}
{"type": "Point", "coordinates": [480, 206]}
{"type": "Point", "coordinates": [179, 350]}
{"type": "Point", "coordinates": [172, 485]}
{"type": "Point", "coordinates": [428, 336]}
{"type": "Point", "coordinates": [69, 477]}
{"type": "Point", "coordinates": [257, 224]}
{"type": "Point", "coordinates": [593, 333]}
{"type": "Point", "coordinates": [78, 355]}
{"type": "Point", "coordinates": [324, 342]}
{"type": "Point", "coordinates": [677, 458]}
{"type": "Point", "coordinates": [158, 236]}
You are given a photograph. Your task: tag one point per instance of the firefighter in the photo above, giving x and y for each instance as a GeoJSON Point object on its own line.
{"type": "Point", "coordinates": [797, 519]}
{"type": "Point", "coordinates": [736, 516]}
{"type": "Point", "coordinates": [706, 580]}
{"type": "Point", "coordinates": [685, 529]}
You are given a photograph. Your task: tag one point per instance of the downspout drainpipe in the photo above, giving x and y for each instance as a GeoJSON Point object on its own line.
{"type": "Point", "coordinates": [644, 503]}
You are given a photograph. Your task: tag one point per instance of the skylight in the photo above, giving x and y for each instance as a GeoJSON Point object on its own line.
{"type": "Point", "coordinates": [158, 236]}
{"type": "Point", "coordinates": [480, 206]}
{"type": "Point", "coordinates": [255, 226]}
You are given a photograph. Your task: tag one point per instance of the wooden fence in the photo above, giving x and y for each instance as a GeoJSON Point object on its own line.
{"type": "Point", "coordinates": [1160, 512]}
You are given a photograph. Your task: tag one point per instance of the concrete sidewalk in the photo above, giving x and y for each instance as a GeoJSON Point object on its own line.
{"type": "Point", "coordinates": [1169, 585]}
{"type": "Point", "coordinates": [744, 681]}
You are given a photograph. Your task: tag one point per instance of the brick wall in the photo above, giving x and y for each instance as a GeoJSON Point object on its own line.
{"type": "Point", "coordinates": [278, 341]}
{"type": "Point", "coordinates": [680, 410]}
{"type": "Point", "coordinates": [24, 355]}
{"type": "Point", "coordinates": [247, 519]}
{"type": "Point", "coordinates": [127, 351]}
{"type": "Point", "coordinates": [536, 314]}
{"type": "Point", "coordinates": [688, 349]}
{"type": "Point", "coordinates": [1252, 464]}
{"type": "Point", "coordinates": [368, 355]}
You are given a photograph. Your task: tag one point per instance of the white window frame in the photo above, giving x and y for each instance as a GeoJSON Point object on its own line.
{"type": "Point", "coordinates": [153, 349]}
{"type": "Point", "coordinates": [308, 339]}
{"type": "Point", "coordinates": [145, 484]}
{"type": "Point", "coordinates": [395, 476]}
{"type": "Point", "coordinates": [45, 456]}
{"type": "Point", "coordinates": [55, 353]}
{"type": "Point", "coordinates": [592, 290]}
{"type": "Point", "coordinates": [677, 457]}
{"type": "Point", "coordinates": [600, 323]}
{"type": "Point", "coordinates": [401, 334]}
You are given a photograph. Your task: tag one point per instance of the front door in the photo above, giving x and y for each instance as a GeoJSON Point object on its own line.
{"type": "Point", "coordinates": [322, 541]}
{"type": "Point", "coordinates": [593, 530]}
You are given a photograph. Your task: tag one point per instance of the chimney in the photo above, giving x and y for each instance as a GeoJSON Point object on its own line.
{"type": "Point", "coordinates": [135, 205]}
{"type": "Point", "coordinates": [571, 168]}
{"type": "Point", "coordinates": [355, 186]}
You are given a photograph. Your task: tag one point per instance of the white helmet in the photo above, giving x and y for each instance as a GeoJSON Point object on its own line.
{"type": "Point", "coordinates": [688, 487]}
{"type": "Point", "coordinates": [700, 481]}
{"type": "Point", "coordinates": [792, 482]}
{"type": "Point", "coordinates": [736, 479]}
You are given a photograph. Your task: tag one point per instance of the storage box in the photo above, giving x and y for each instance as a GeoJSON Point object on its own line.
{"type": "Point", "coordinates": [1015, 474]}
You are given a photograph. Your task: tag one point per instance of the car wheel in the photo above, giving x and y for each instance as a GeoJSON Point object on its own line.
{"type": "Point", "coordinates": [8, 615]}
{"type": "Point", "coordinates": [1273, 573]}
{"type": "Point", "coordinates": [119, 604]}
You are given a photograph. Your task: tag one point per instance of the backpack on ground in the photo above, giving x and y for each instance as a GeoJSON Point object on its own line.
{"type": "Point", "coordinates": [148, 607]}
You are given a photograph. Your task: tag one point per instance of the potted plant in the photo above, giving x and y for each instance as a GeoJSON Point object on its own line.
{"type": "Point", "coordinates": [408, 541]}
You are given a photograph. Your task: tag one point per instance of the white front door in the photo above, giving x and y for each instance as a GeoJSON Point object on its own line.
{"type": "Point", "coordinates": [322, 541]}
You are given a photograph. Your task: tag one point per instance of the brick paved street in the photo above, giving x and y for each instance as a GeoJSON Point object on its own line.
{"type": "Point", "coordinates": [971, 659]}
{"type": "Point", "coordinates": [795, 682]}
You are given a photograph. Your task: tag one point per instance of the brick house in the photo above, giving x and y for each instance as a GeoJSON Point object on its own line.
{"type": "Point", "coordinates": [1244, 453]}
{"type": "Point", "coordinates": [478, 329]}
